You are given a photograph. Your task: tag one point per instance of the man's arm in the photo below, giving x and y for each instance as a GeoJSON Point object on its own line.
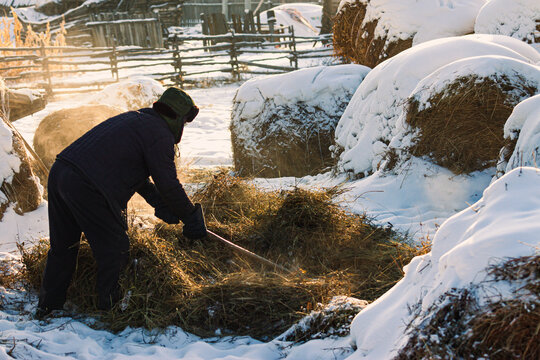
{"type": "Point", "coordinates": [160, 162]}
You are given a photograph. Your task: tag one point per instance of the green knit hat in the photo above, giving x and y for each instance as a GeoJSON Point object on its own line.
{"type": "Point", "coordinates": [178, 100]}
{"type": "Point", "coordinates": [177, 105]}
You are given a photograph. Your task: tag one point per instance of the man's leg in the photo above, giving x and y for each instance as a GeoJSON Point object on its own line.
{"type": "Point", "coordinates": [65, 235]}
{"type": "Point", "coordinates": [107, 238]}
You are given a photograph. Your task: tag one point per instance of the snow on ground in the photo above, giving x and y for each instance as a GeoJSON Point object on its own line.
{"type": "Point", "coordinates": [501, 225]}
{"type": "Point", "coordinates": [421, 20]}
{"type": "Point", "coordinates": [515, 18]}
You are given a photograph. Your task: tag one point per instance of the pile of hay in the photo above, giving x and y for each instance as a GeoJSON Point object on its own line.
{"type": "Point", "coordinates": [504, 328]}
{"type": "Point", "coordinates": [282, 127]}
{"type": "Point", "coordinates": [207, 289]}
{"type": "Point", "coordinates": [460, 121]}
{"type": "Point", "coordinates": [369, 31]}
{"type": "Point", "coordinates": [60, 128]}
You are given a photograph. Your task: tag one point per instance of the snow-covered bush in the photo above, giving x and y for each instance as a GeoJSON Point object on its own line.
{"type": "Point", "coordinates": [455, 116]}
{"type": "Point", "coordinates": [60, 128]}
{"type": "Point", "coordinates": [515, 18]}
{"type": "Point", "coordinates": [283, 125]}
{"type": "Point", "coordinates": [131, 94]}
{"type": "Point", "coordinates": [498, 227]}
{"type": "Point", "coordinates": [368, 125]}
{"type": "Point", "coordinates": [369, 31]}
{"type": "Point", "coordinates": [19, 188]}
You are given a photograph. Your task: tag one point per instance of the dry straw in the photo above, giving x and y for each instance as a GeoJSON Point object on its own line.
{"type": "Point", "coordinates": [203, 286]}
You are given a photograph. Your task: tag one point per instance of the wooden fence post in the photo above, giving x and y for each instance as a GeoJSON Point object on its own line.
{"type": "Point", "coordinates": [294, 58]}
{"type": "Point", "coordinates": [46, 70]}
{"type": "Point", "coordinates": [234, 58]}
{"type": "Point", "coordinates": [178, 79]}
{"type": "Point", "coordinates": [114, 61]}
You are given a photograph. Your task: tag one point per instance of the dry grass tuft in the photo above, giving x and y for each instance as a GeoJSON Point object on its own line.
{"type": "Point", "coordinates": [463, 129]}
{"type": "Point", "coordinates": [501, 329]}
{"type": "Point", "coordinates": [203, 287]}
{"type": "Point", "coordinates": [356, 41]}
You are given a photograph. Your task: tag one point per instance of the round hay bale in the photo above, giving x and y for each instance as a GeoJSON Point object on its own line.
{"type": "Point", "coordinates": [18, 185]}
{"type": "Point", "coordinates": [284, 125]}
{"type": "Point", "coordinates": [523, 128]}
{"type": "Point", "coordinates": [458, 113]}
{"type": "Point", "coordinates": [132, 94]}
{"type": "Point", "coordinates": [60, 128]}
{"type": "Point", "coordinates": [519, 19]}
{"type": "Point", "coordinates": [370, 31]}
{"type": "Point", "coordinates": [368, 125]}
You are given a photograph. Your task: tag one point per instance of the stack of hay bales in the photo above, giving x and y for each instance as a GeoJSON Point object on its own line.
{"type": "Point", "coordinates": [369, 31]}
{"type": "Point", "coordinates": [60, 128]}
{"type": "Point", "coordinates": [19, 187]}
{"type": "Point", "coordinates": [284, 125]}
{"type": "Point", "coordinates": [370, 122]}
{"type": "Point", "coordinates": [516, 18]}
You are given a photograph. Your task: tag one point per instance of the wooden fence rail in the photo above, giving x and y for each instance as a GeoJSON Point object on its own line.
{"type": "Point", "coordinates": [47, 67]}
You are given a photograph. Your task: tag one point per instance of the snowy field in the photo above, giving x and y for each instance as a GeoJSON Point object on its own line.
{"type": "Point", "coordinates": [473, 220]}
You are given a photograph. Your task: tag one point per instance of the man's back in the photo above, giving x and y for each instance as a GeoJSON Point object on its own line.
{"type": "Point", "coordinates": [115, 155]}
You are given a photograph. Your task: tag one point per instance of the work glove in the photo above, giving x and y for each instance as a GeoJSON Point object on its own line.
{"type": "Point", "coordinates": [194, 226]}
{"type": "Point", "coordinates": [165, 214]}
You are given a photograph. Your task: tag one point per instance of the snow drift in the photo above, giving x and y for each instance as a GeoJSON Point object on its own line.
{"type": "Point", "coordinates": [370, 31]}
{"type": "Point", "coordinates": [515, 18]}
{"type": "Point", "coordinates": [368, 125]}
{"type": "Point", "coordinates": [501, 225]}
{"type": "Point", "coordinates": [283, 125]}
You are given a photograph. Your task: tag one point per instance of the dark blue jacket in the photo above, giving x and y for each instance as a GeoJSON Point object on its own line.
{"type": "Point", "coordinates": [120, 154]}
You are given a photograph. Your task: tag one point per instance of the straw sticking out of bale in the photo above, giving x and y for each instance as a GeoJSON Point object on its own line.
{"type": "Point", "coordinates": [461, 128]}
{"type": "Point", "coordinates": [206, 288]}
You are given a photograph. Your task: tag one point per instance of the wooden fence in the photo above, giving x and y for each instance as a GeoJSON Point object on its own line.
{"type": "Point", "coordinates": [55, 69]}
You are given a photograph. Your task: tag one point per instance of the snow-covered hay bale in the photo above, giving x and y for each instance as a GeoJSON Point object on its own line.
{"type": "Point", "coordinates": [60, 128]}
{"type": "Point", "coordinates": [464, 327]}
{"type": "Point", "coordinates": [369, 31]}
{"type": "Point", "coordinates": [305, 18]}
{"type": "Point", "coordinates": [284, 125]}
{"type": "Point", "coordinates": [523, 129]}
{"type": "Point", "coordinates": [132, 94]}
{"type": "Point", "coordinates": [368, 125]}
{"type": "Point", "coordinates": [459, 268]}
{"type": "Point", "coordinates": [516, 18]}
{"type": "Point", "coordinates": [18, 185]}
{"type": "Point", "coordinates": [460, 110]}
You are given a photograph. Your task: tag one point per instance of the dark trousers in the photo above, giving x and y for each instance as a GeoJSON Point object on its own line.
{"type": "Point", "coordinates": [76, 206]}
